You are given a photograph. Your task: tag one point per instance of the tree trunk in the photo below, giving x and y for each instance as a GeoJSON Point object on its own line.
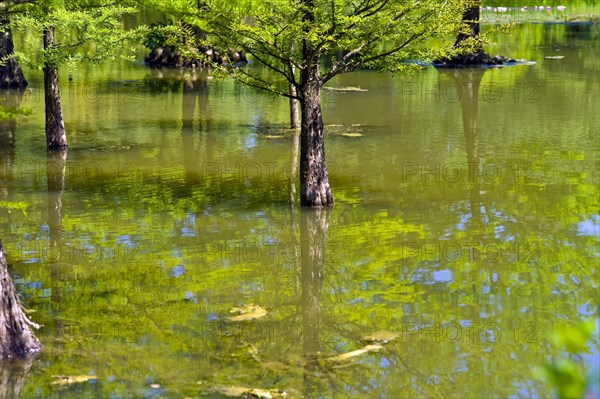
{"type": "Point", "coordinates": [16, 336]}
{"type": "Point", "coordinates": [471, 18]}
{"type": "Point", "coordinates": [475, 55]}
{"type": "Point", "coordinates": [56, 136]}
{"type": "Point", "coordinates": [314, 180]}
{"type": "Point", "coordinates": [11, 75]}
{"type": "Point", "coordinates": [293, 91]}
{"type": "Point", "coordinates": [294, 109]}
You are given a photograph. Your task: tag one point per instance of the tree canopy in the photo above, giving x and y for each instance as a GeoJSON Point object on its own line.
{"type": "Point", "coordinates": [384, 35]}
{"type": "Point", "coordinates": [87, 31]}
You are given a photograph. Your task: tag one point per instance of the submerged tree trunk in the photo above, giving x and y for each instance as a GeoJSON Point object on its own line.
{"type": "Point", "coordinates": [56, 136]}
{"type": "Point", "coordinates": [314, 180]}
{"type": "Point", "coordinates": [11, 75]}
{"type": "Point", "coordinates": [16, 336]}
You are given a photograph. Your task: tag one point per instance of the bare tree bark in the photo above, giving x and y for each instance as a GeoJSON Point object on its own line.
{"type": "Point", "coordinates": [469, 44]}
{"type": "Point", "coordinates": [293, 91]}
{"type": "Point", "coordinates": [56, 136]}
{"type": "Point", "coordinates": [294, 109]}
{"type": "Point", "coordinates": [470, 17]}
{"type": "Point", "coordinates": [16, 336]}
{"type": "Point", "coordinates": [11, 75]}
{"type": "Point", "coordinates": [314, 179]}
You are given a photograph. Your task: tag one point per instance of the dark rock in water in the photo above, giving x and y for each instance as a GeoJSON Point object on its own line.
{"type": "Point", "coordinates": [172, 58]}
{"type": "Point", "coordinates": [480, 58]}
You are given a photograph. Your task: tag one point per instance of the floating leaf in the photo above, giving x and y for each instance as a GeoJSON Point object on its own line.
{"type": "Point", "coordinates": [15, 205]}
{"type": "Point", "coordinates": [248, 312]}
{"type": "Point", "coordinates": [346, 88]}
{"type": "Point", "coordinates": [72, 379]}
{"type": "Point", "coordinates": [382, 337]}
{"type": "Point", "coordinates": [273, 136]}
{"type": "Point", "coordinates": [351, 355]}
{"type": "Point", "coordinates": [256, 393]}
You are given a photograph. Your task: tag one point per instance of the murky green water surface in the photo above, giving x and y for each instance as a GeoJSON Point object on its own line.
{"type": "Point", "coordinates": [466, 223]}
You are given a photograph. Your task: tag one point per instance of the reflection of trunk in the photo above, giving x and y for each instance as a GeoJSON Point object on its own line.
{"type": "Point", "coordinates": [472, 81]}
{"type": "Point", "coordinates": [56, 136]}
{"type": "Point", "coordinates": [11, 75]}
{"type": "Point", "coordinates": [12, 376]}
{"type": "Point", "coordinates": [56, 163]}
{"type": "Point", "coordinates": [16, 336]}
{"type": "Point", "coordinates": [189, 158]}
{"type": "Point", "coordinates": [468, 82]}
{"type": "Point", "coordinates": [294, 168]}
{"type": "Point", "coordinates": [314, 226]}
{"type": "Point", "coordinates": [314, 180]}
{"type": "Point", "coordinates": [55, 174]}
{"type": "Point", "coordinates": [188, 105]}
{"type": "Point", "coordinates": [11, 99]}
{"type": "Point", "coordinates": [195, 95]}
{"type": "Point", "coordinates": [204, 119]}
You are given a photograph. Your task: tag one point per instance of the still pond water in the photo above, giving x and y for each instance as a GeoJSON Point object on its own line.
{"type": "Point", "coordinates": [466, 226]}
